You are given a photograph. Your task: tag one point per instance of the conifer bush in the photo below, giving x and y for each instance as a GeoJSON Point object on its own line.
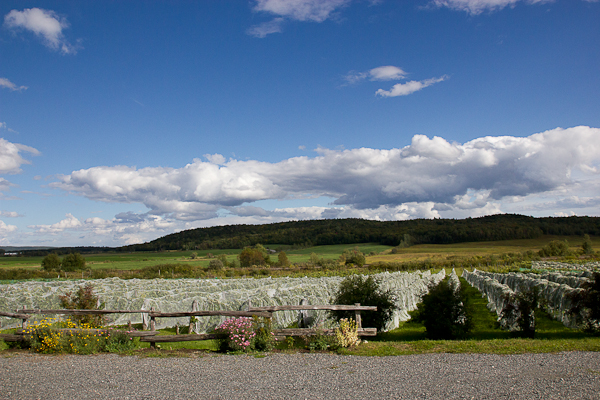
{"type": "Point", "coordinates": [445, 312]}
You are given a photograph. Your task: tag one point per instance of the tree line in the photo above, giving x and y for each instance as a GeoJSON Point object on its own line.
{"type": "Point", "coordinates": [393, 233]}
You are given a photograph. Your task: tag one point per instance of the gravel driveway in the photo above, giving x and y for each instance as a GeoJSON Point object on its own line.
{"type": "Point", "coordinates": [572, 375]}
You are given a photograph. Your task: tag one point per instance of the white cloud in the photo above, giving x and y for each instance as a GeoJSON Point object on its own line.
{"type": "Point", "coordinates": [10, 156]}
{"type": "Point", "coordinates": [9, 214]}
{"type": "Point", "coordinates": [45, 24]}
{"type": "Point", "coordinates": [5, 83]}
{"type": "Point", "coordinates": [387, 73]}
{"type": "Point", "coordinates": [429, 177]}
{"type": "Point", "coordinates": [475, 7]}
{"type": "Point", "coordinates": [266, 28]}
{"type": "Point", "coordinates": [296, 10]}
{"type": "Point", "coordinates": [70, 222]}
{"type": "Point", "coordinates": [215, 158]}
{"type": "Point", "coordinates": [383, 73]}
{"type": "Point", "coordinates": [5, 186]}
{"type": "Point", "coordinates": [97, 231]}
{"type": "Point", "coordinates": [404, 89]}
{"type": "Point", "coordinates": [301, 10]}
{"type": "Point", "coordinates": [5, 229]}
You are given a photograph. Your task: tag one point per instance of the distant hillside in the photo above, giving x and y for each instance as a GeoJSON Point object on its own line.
{"type": "Point", "coordinates": [348, 231]}
{"type": "Point", "coordinates": [18, 248]}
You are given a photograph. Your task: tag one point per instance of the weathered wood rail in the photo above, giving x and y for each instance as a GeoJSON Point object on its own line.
{"type": "Point", "coordinates": [152, 336]}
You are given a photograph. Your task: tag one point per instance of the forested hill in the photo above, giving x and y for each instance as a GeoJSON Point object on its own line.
{"type": "Point", "coordinates": [348, 231]}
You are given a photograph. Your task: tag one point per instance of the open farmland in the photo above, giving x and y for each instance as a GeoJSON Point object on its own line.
{"type": "Point", "coordinates": [374, 253]}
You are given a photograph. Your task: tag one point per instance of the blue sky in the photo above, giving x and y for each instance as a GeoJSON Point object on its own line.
{"type": "Point", "coordinates": [125, 121]}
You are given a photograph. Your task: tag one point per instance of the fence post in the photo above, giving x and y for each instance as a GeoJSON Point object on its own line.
{"type": "Point", "coordinates": [303, 315]}
{"type": "Point", "coordinates": [144, 320]}
{"type": "Point", "coordinates": [192, 327]}
{"type": "Point", "coordinates": [357, 317]}
{"type": "Point", "coordinates": [152, 326]}
{"type": "Point", "coordinates": [24, 320]}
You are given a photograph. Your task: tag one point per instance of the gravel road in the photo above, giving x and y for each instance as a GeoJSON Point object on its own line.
{"type": "Point", "coordinates": [572, 375]}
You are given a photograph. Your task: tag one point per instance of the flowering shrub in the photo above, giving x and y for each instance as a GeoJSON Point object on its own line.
{"type": "Point", "coordinates": [346, 334]}
{"type": "Point", "coordinates": [238, 334]}
{"type": "Point", "coordinates": [51, 336]}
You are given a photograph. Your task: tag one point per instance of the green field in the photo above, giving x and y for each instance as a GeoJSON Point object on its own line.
{"type": "Point", "coordinates": [138, 260]}
{"type": "Point", "coordinates": [182, 264]}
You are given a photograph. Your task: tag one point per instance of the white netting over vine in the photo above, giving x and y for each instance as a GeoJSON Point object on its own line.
{"type": "Point", "coordinates": [171, 295]}
{"type": "Point", "coordinates": [556, 296]}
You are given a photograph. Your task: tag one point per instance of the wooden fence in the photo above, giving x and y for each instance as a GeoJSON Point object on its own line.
{"type": "Point", "coordinates": [152, 337]}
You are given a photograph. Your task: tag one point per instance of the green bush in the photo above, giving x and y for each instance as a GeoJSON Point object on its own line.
{"type": "Point", "coordinates": [555, 248]}
{"type": "Point", "coordinates": [318, 342]}
{"type": "Point", "coordinates": [118, 342]}
{"type": "Point", "coordinates": [215, 264]}
{"type": "Point", "coordinates": [366, 291]}
{"type": "Point", "coordinates": [264, 339]}
{"type": "Point", "coordinates": [282, 259]}
{"type": "Point", "coordinates": [73, 262]}
{"type": "Point", "coordinates": [51, 262]}
{"type": "Point", "coordinates": [445, 312]}
{"type": "Point", "coordinates": [586, 247]}
{"type": "Point", "coordinates": [354, 256]}
{"type": "Point", "coordinates": [256, 255]}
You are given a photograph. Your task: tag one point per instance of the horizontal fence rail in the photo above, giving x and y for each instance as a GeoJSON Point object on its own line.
{"type": "Point", "coordinates": [82, 312]}
{"type": "Point", "coordinates": [317, 307]}
{"type": "Point", "coordinates": [152, 336]}
{"type": "Point", "coordinates": [157, 314]}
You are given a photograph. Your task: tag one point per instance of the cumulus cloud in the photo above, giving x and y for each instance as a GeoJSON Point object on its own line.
{"type": "Point", "coordinates": [429, 176]}
{"type": "Point", "coordinates": [475, 7]}
{"type": "Point", "coordinates": [5, 83]}
{"type": "Point", "coordinates": [70, 222]}
{"type": "Point", "coordinates": [46, 24]}
{"type": "Point", "coordinates": [125, 228]}
{"type": "Point", "coordinates": [5, 229]}
{"type": "Point", "coordinates": [10, 156]}
{"type": "Point", "coordinates": [296, 10]}
{"type": "Point", "coordinates": [404, 89]}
